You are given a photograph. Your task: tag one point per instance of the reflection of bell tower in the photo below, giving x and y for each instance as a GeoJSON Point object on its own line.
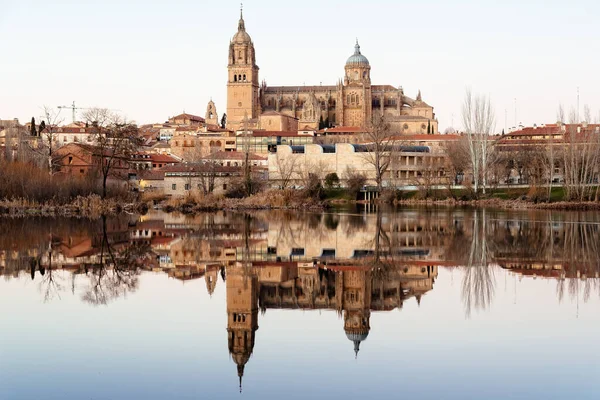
{"type": "Point", "coordinates": [357, 305]}
{"type": "Point", "coordinates": [211, 277]}
{"type": "Point", "coordinates": [242, 315]}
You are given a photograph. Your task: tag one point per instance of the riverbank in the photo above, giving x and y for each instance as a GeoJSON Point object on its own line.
{"type": "Point", "coordinates": [268, 200]}
{"type": "Point", "coordinates": [502, 204]}
{"type": "Point", "coordinates": [92, 206]}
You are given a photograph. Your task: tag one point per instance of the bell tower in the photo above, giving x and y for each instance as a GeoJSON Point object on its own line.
{"type": "Point", "coordinates": [242, 84]}
{"type": "Point", "coordinates": [357, 96]}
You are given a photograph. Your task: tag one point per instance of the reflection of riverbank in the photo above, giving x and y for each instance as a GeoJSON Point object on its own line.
{"type": "Point", "coordinates": [533, 243]}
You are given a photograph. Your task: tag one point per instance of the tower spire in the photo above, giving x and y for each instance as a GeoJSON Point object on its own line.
{"type": "Point", "coordinates": [241, 24]}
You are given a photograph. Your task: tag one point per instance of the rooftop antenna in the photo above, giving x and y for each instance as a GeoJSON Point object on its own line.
{"type": "Point", "coordinates": [515, 112]}
{"type": "Point", "coordinates": [577, 104]}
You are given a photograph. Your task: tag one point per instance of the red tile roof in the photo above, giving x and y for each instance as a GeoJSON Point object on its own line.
{"type": "Point", "coordinates": [342, 129]}
{"type": "Point", "coordinates": [188, 116]}
{"type": "Point", "coordinates": [163, 158]}
{"type": "Point", "coordinates": [235, 155]}
{"type": "Point", "coordinates": [261, 133]}
{"type": "Point", "coordinates": [431, 138]}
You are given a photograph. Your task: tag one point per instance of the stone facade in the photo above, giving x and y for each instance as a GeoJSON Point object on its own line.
{"type": "Point", "coordinates": [353, 101]}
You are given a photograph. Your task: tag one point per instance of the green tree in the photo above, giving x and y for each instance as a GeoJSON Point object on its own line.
{"type": "Point", "coordinates": [321, 123]}
{"type": "Point", "coordinates": [223, 120]}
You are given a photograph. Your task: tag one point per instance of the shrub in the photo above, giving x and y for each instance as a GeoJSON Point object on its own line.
{"type": "Point", "coordinates": [332, 180]}
{"type": "Point", "coordinates": [355, 182]}
{"type": "Point", "coordinates": [313, 188]}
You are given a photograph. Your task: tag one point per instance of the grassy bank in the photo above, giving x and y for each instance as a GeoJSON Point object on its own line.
{"type": "Point", "coordinates": [91, 206]}
{"type": "Point", "coordinates": [267, 200]}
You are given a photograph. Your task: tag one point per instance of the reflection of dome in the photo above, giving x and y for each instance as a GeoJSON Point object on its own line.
{"type": "Point", "coordinates": [357, 58]}
{"type": "Point", "coordinates": [357, 337]}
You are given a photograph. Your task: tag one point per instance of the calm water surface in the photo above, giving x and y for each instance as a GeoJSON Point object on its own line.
{"type": "Point", "coordinates": [415, 304]}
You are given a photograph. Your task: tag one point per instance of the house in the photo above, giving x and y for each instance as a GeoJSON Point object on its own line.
{"type": "Point", "coordinates": [187, 119]}
{"type": "Point", "coordinates": [82, 160]}
{"type": "Point", "coordinates": [186, 178]}
{"type": "Point", "coordinates": [237, 159]}
{"type": "Point", "coordinates": [145, 160]}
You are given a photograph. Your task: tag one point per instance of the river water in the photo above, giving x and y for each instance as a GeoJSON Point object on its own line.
{"type": "Point", "coordinates": [452, 304]}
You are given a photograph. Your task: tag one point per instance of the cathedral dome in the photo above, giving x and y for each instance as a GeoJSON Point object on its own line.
{"type": "Point", "coordinates": [241, 35]}
{"type": "Point", "coordinates": [357, 58]}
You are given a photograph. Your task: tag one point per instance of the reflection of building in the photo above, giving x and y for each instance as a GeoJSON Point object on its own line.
{"type": "Point", "coordinates": [242, 316]}
{"type": "Point", "coordinates": [353, 289]}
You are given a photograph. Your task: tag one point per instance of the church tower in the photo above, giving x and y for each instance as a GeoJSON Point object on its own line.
{"type": "Point", "coordinates": [211, 116]}
{"type": "Point", "coordinates": [357, 99]}
{"type": "Point", "coordinates": [242, 85]}
{"type": "Point", "coordinates": [242, 315]}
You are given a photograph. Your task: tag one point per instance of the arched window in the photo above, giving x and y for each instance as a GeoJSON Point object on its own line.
{"type": "Point", "coordinates": [240, 77]}
{"type": "Point", "coordinates": [244, 77]}
{"type": "Point", "coordinates": [235, 78]}
{"type": "Point", "coordinates": [218, 143]}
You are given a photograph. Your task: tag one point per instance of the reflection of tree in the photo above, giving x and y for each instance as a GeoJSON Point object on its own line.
{"type": "Point", "coordinates": [478, 284]}
{"type": "Point", "coordinates": [50, 284]}
{"type": "Point", "coordinates": [117, 272]}
{"type": "Point", "coordinates": [383, 256]}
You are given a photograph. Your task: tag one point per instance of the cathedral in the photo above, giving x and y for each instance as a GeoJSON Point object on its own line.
{"type": "Point", "coordinates": [352, 102]}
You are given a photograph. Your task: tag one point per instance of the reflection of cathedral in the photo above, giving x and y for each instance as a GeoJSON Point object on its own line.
{"type": "Point", "coordinates": [353, 290]}
{"type": "Point", "coordinates": [351, 102]}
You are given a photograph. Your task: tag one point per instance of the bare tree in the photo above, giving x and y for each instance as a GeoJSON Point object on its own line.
{"type": "Point", "coordinates": [208, 175]}
{"type": "Point", "coordinates": [48, 132]}
{"type": "Point", "coordinates": [380, 142]}
{"type": "Point", "coordinates": [479, 122]}
{"type": "Point", "coordinates": [457, 163]}
{"type": "Point", "coordinates": [115, 140]}
{"type": "Point", "coordinates": [287, 168]}
{"type": "Point", "coordinates": [580, 159]}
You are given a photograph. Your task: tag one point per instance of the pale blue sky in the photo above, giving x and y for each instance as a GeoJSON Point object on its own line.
{"type": "Point", "coordinates": [154, 59]}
